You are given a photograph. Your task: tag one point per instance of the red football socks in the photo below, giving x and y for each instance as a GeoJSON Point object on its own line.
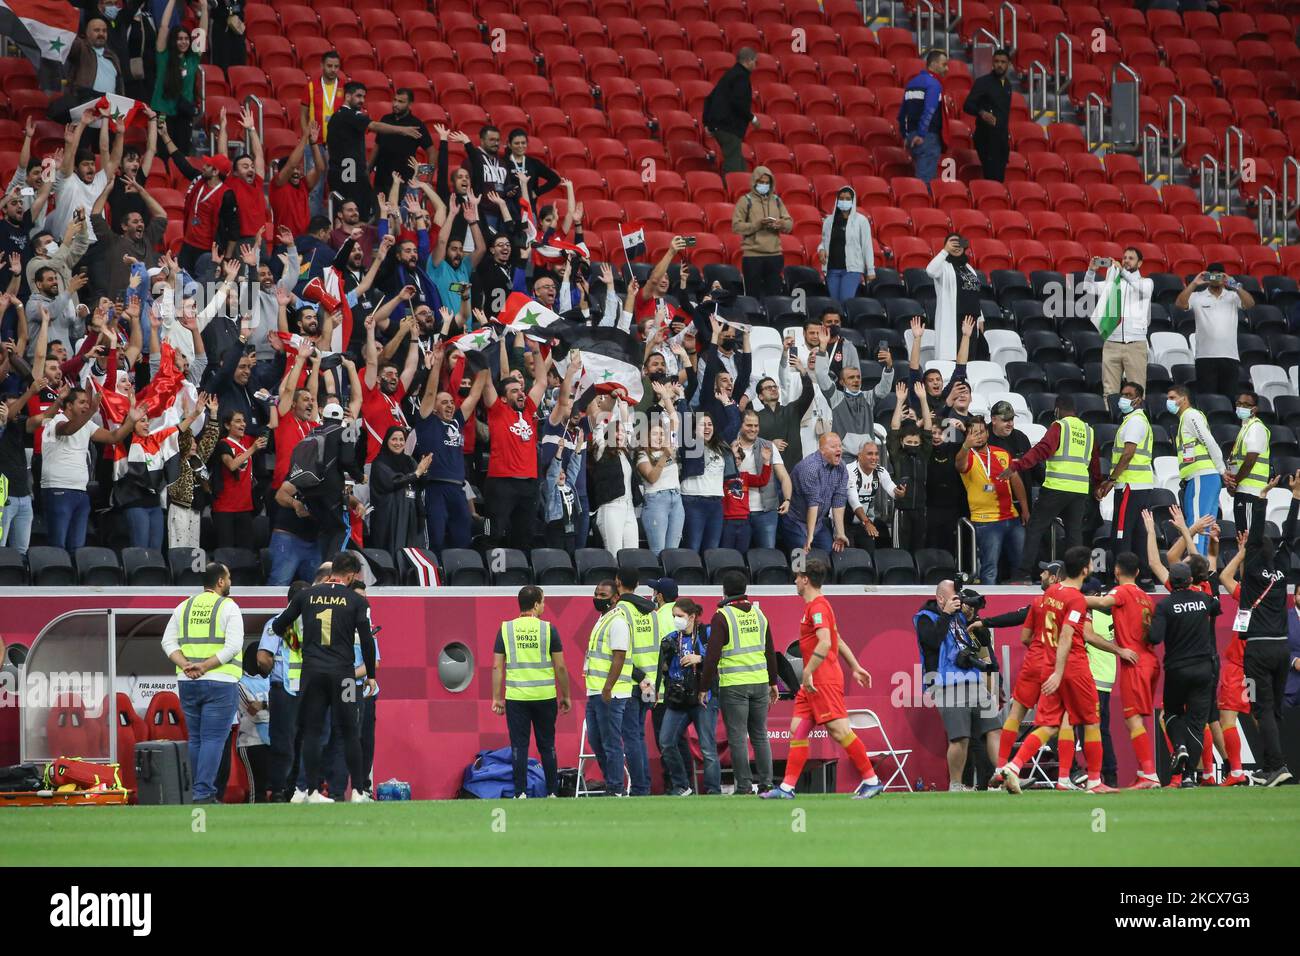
{"type": "Point", "coordinates": [1092, 753]}
{"type": "Point", "coordinates": [1145, 752]}
{"type": "Point", "coordinates": [1232, 743]}
{"type": "Point", "coordinates": [857, 752]}
{"type": "Point", "coordinates": [794, 763]}
{"type": "Point", "coordinates": [1064, 753]}
{"type": "Point", "coordinates": [1008, 740]}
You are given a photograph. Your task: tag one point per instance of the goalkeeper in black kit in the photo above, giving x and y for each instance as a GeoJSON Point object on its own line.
{"type": "Point", "coordinates": [333, 617]}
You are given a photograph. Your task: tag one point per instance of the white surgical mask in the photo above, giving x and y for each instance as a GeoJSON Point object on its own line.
{"type": "Point", "coordinates": [853, 391]}
{"type": "Point", "coordinates": [1244, 413]}
{"type": "Point", "coordinates": [1125, 405]}
{"type": "Point", "coordinates": [51, 249]}
{"type": "Point", "coordinates": [680, 622]}
{"type": "Point", "coordinates": [763, 188]}
{"type": "Point", "coordinates": [844, 205]}
{"type": "Point", "coordinates": [1171, 406]}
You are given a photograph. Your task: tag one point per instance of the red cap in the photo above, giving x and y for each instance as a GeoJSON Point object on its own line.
{"type": "Point", "coordinates": [221, 164]}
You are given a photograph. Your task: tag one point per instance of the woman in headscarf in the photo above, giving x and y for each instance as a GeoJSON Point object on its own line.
{"type": "Point", "coordinates": [957, 295]}
{"type": "Point", "coordinates": [398, 518]}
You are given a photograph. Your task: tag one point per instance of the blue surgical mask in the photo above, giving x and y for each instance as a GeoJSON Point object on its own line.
{"type": "Point", "coordinates": [844, 205]}
{"type": "Point", "coordinates": [1245, 413]}
{"type": "Point", "coordinates": [111, 11]}
{"type": "Point", "coordinates": [1171, 406]}
{"type": "Point", "coordinates": [1125, 405]}
{"type": "Point", "coordinates": [763, 188]}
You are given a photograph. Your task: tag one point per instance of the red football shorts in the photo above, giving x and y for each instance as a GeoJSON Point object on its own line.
{"type": "Point", "coordinates": [1076, 698]}
{"type": "Point", "coordinates": [821, 706]}
{"type": "Point", "coordinates": [1137, 685]}
{"type": "Point", "coordinates": [1232, 679]}
{"type": "Point", "coordinates": [1029, 682]}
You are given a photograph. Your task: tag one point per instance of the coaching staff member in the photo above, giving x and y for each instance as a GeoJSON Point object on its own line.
{"type": "Point", "coordinates": [1184, 623]}
{"type": "Point", "coordinates": [332, 613]}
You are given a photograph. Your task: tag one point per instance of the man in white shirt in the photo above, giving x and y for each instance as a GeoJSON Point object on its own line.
{"type": "Point", "coordinates": [204, 638]}
{"type": "Point", "coordinates": [66, 435]}
{"type": "Point", "coordinates": [870, 490]}
{"type": "Point", "coordinates": [1124, 353]}
{"type": "Point", "coordinates": [608, 697]}
{"type": "Point", "coordinates": [77, 185]}
{"type": "Point", "coordinates": [1214, 299]}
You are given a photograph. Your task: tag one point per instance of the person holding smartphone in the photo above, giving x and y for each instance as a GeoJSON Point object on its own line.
{"type": "Point", "coordinates": [760, 219]}
{"type": "Point", "coordinates": [1214, 299]}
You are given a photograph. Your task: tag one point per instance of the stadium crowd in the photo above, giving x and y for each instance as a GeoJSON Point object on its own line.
{"type": "Point", "coordinates": [443, 337]}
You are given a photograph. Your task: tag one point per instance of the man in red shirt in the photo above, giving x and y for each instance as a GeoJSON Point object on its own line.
{"type": "Point", "coordinates": [383, 389]}
{"type": "Point", "coordinates": [820, 701]}
{"type": "Point", "coordinates": [1131, 610]}
{"type": "Point", "coordinates": [1033, 670]}
{"type": "Point", "coordinates": [291, 187]}
{"type": "Point", "coordinates": [296, 415]}
{"type": "Point", "coordinates": [248, 182]}
{"type": "Point", "coordinates": [1069, 693]}
{"type": "Point", "coordinates": [511, 486]}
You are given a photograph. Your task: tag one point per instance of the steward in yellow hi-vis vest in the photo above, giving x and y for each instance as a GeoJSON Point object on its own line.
{"type": "Point", "coordinates": [205, 640]}
{"type": "Point", "coordinates": [643, 633]}
{"type": "Point", "coordinates": [528, 663]}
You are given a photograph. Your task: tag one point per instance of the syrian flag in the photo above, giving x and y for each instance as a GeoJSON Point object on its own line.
{"type": "Point", "coordinates": [610, 359]}
{"type": "Point", "coordinates": [122, 111]}
{"type": "Point", "coordinates": [633, 236]}
{"type": "Point", "coordinates": [143, 466]}
{"type": "Point", "coordinates": [473, 341]}
{"type": "Point", "coordinates": [524, 314]}
{"type": "Point", "coordinates": [1106, 316]}
{"type": "Point", "coordinates": [327, 291]}
{"type": "Point", "coordinates": [42, 29]}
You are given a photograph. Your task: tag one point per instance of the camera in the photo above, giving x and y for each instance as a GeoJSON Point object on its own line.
{"type": "Point", "coordinates": [690, 240]}
{"type": "Point", "coordinates": [972, 599]}
{"type": "Point", "coordinates": [968, 659]}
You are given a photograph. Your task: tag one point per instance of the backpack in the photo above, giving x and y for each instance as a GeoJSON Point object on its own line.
{"type": "Point", "coordinates": [312, 458]}
{"type": "Point", "coordinates": [491, 776]}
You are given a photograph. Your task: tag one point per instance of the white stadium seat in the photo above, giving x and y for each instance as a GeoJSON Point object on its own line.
{"type": "Point", "coordinates": [1005, 346]}
{"type": "Point", "coordinates": [1270, 381]}
{"type": "Point", "coordinates": [1170, 349]}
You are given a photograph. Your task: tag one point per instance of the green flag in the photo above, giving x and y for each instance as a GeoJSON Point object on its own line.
{"type": "Point", "coordinates": [1107, 316]}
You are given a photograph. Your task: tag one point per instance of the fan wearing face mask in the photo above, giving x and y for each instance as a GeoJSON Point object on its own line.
{"type": "Point", "coordinates": [761, 219]}
{"type": "Point", "coordinates": [845, 250]}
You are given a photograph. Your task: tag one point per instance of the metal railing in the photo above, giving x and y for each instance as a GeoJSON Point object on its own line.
{"type": "Point", "coordinates": [1290, 193]}
{"type": "Point", "coordinates": [874, 7]}
{"type": "Point", "coordinates": [1117, 136]}
{"type": "Point", "coordinates": [1151, 141]}
{"type": "Point", "coordinates": [1208, 169]}
{"type": "Point", "coordinates": [1267, 201]}
{"type": "Point", "coordinates": [1014, 44]}
{"type": "Point", "coordinates": [256, 104]}
{"type": "Point", "coordinates": [1176, 133]}
{"type": "Point", "coordinates": [1094, 112]}
{"type": "Point", "coordinates": [1064, 77]}
{"type": "Point", "coordinates": [1037, 89]}
{"type": "Point", "coordinates": [951, 23]}
{"type": "Point", "coordinates": [925, 24]}
{"type": "Point", "coordinates": [1234, 162]}
{"type": "Point", "coordinates": [970, 567]}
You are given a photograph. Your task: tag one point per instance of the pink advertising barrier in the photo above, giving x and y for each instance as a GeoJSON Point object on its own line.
{"type": "Point", "coordinates": [427, 733]}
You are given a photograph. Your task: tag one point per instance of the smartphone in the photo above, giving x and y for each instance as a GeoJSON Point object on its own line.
{"type": "Point", "coordinates": [458, 288]}
{"type": "Point", "coordinates": [424, 169]}
{"type": "Point", "coordinates": [690, 240]}
{"type": "Point", "coordinates": [1105, 261]}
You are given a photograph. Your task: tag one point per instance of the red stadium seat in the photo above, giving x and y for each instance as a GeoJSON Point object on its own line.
{"type": "Point", "coordinates": [607, 154]}
{"type": "Point", "coordinates": [932, 225]}
{"type": "Point", "coordinates": [1048, 226]}
{"type": "Point", "coordinates": [1126, 228]}
{"type": "Point", "coordinates": [1163, 228]}
{"type": "Point", "coordinates": [1259, 261]}
{"type": "Point", "coordinates": [1201, 229]}
{"type": "Point", "coordinates": [1009, 225]}
{"type": "Point", "coordinates": [1142, 199]}
{"type": "Point", "coordinates": [972, 223]}
{"type": "Point", "coordinates": [1179, 200]}
{"type": "Point", "coordinates": [839, 132]}
{"type": "Point", "coordinates": [988, 195]}
{"type": "Point", "coordinates": [1087, 227]}
{"type": "Point", "coordinates": [911, 253]}
{"type": "Point", "coordinates": [1184, 259]}
{"type": "Point", "coordinates": [1104, 198]}
{"type": "Point", "coordinates": [950, 195]}
{"type": "Point", "coordinates": [991, 254]}
{"type": "Point", "coordinates": [1238, 230]}
{"type": "Point", "coordinates": [1047, 168]}
{"type": "Point", "coordinates": [164, 719]}
{"type": "Point", "coordinates": [1030, 255]}
{"type": "Point", "coordinates": [909, 192]}
{"type": "Point", "coordinates": [1228, 255]}
{"type": "Point", "coordinates": [1066, 198]}
{"type": "Point", "coordinates": [890, 225]}
{"type": "Point", "coordinates": [1027, 197]}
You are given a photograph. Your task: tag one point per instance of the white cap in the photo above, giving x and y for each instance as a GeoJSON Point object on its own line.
{"type": "Point", "coordinates": [332, 410]}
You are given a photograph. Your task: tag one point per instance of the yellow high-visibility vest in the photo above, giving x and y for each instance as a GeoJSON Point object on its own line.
{"type": "Point", "coordinates": [530, 673]}
{"type": "Point", "coordinates": [1257, 480]}
{"type": "Point", "coordinates": [595, 668]}
{"type": "Point", "coordinates": [1067, 469]}
{"type": "Point", "coordinates": [744, 658]}
{"type": "Point", "coordinates": [202, 635]}
{"type": "Point", "coordinates": [1193, 455]}
{"type": "Point", "coordinates": [1139, 467]}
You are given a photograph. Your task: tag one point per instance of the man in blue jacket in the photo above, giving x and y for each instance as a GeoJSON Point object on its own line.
{"type": "Point", "coordinates": [920, 115]}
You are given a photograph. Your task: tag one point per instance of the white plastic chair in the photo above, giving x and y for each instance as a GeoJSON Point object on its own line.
{"type": "Point", "coordinates": [867, 720]}
{"type": "Point", "coordinates": [1033, 431]}
{"type": "Point", "coordinates": [1166, 468]}
{"type": "Point", "coordinates": [1170, 349]}
{"type": "Point", "coordinates": [979, 372]}
{"type": "Point", "coordinates": [1270, 381]}
{"type": "Point", "coordinates": [943, 367]}
{"type": "Point", "coordinates": [929, 342]}
{"type": "Point", "coordinates": [1005, 346]}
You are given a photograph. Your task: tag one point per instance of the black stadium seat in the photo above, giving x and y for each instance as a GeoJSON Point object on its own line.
{"type": "Point", "coordinates": [13, 568]}
{"type": "Point", "coordinates": [642, 560]}
{"type": "Point", "coordinates": [894, 566]}
{"type": "Point", "coordinates": [1064, 376]}
{"type": "Point", "coordinates": [865, 313]}
{"type": "Point", "coordinates": [728, 275]}
{"type": "Point", "coordinates": [145, 568]}
{"type": "Point", "coordinates": [50, 567]}
{"type": "Point", "coordinates": [382, 566]}
{"type": "Point", "coordinates": [509, 567]}
{"type": "Point", "coordinates": [463, 568]}
{"type": "Point", "coordinates": [853, 566]}
{"type": "Point", "coordinates": [98, 568]}
{"type": "Point", "coordinates": [718, 561]}
{"type": "Point", "coordinates": [684, 566]}
{"type": "Point", "coordinates": [934, 565]}
{"type": "Point", "coordinates": [767, 566]}
{"type": "Point", "coordinates": [594, 565]}
{"type": "Point", "coordinates": [187, 566]}
{"type": "Point", "coordinates": [245, 565]}
{"type": "Point", "coordinates": [552, 566]}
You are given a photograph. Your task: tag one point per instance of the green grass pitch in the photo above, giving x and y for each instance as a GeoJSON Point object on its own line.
{"type": "Point", "coordinates": [1240, 827]}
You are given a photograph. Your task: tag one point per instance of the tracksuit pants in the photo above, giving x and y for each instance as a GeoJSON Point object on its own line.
{"type": "Point", "coordinates": [1200, 496]}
